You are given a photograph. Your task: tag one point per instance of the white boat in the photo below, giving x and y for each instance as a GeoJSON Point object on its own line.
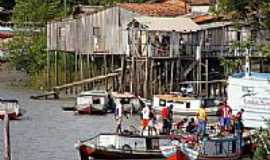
{"type": "Point", "coordinates": [130, 102]}
{"type": "Point", "coordinates": [95, 101]}
{"type": "Point", "coordinates": [11, 107]}
{"type": "Point", "coordinates": [184, 105]}
{"type": "Point", "coordinates": [252, 93]}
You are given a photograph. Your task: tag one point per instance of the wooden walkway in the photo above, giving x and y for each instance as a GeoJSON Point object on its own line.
{"type": "Point", "coordinates": [57, 90]}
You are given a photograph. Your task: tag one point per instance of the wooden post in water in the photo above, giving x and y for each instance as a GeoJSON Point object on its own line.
{"type": "Point", "coordinates": [6, 139]}
{"type": "Point", "coordinates": [48, 71]}
{"type": "Point", "coordinates": [56, 67]}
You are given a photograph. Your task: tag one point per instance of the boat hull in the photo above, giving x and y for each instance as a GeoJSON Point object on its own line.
{"type": "Point", "coordinates": [89, 109]}
{"type": "Point", "coordinates": [87, 152]}
{"type": "Point", "coordinates": [11, 116]}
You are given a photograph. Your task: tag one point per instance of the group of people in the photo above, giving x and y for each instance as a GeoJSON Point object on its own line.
{"type": "Point", "coordinates": [228, 123]}
{"type": "Point", "coordinates": [152, 123]}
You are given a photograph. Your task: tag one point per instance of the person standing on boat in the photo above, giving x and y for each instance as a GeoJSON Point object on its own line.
{"type": "Point", "coordinates": [170, 117]}
{"type": "Point", "coordinates": [145, 118]}
{"type": "Point", "coordinates": [240, 114]}
{"type": "Point", "coordinates": [239, 130]}
{"type": "Point", "coordinates": [165, 119]}
{"type": "Point", "coordinates": [202, 121]}
{"type": "Point", "coordinates": [119, 117]}
{"type": "Point", "coordinates": [225, 116]}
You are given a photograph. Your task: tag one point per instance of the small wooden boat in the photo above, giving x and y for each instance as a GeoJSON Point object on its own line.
{"type": "Point", "coordinates": [113, 146]}
{"type": "Point", "coordinates": [226, 148]}
{"type": "Point", "coordinates": [130, 102]}
{"type": "Point", "coordinates": [6, 32]}
{"type": "Point", "coordinates": [90, 102]}
{"type": "Point", "coordinates": [11, 107]}
{"type": "Point", "coordinates": [185, 105]}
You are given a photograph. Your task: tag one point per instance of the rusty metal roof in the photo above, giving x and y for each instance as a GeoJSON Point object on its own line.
{"type": "Point", "coordinates": [166, 8]}
{"type": "Point", "coordinates": [199, 2]}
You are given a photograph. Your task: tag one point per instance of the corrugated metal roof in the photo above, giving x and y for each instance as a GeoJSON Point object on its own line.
{"type": "Point", "coordinates": [215, 25]}
{"type": "Point", "coordinates": [178, 24]}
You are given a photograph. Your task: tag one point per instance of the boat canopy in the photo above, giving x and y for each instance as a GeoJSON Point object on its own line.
{"type": "Point", "coordinates": [100, 93]}
{"type": "Point", "coordinates": [253, 75]}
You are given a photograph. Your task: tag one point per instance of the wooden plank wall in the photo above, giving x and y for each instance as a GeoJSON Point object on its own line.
{"type": "Point", "coordinates": [77, 35]}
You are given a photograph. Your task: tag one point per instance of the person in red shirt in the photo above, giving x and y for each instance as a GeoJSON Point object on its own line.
{"type": "Point", "coordinates": [225, 113]}
{"type": "Point", "coordinates": [165, 119]}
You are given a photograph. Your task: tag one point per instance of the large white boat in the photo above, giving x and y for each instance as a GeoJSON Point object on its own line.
{"type": "Point", "coordinates": [130, 102]}
{"type": "Point", "coordinates": [250, 91]}
{"type": "Point", "coordinates": [185, 105]}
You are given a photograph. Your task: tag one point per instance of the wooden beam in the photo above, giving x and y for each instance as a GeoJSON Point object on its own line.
{"type": "Point", "coordinates": [79, 83]}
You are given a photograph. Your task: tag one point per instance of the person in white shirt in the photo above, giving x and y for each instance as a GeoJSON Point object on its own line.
{"type": "Point", "coordinates": [145, 118]}
{"type": "Point", "coordinates": [119, 117]}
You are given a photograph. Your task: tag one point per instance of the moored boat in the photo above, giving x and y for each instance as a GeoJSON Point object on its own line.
{"type": "Point", "coordinates": [113, 146]}
{"type": "Point", "coordinates": [130, 102]}
{"type": "Point", "coordinates": [11, 107]}
{"type": "Point", "coordinates": [91, 102]}
{"type": "Point", "coordinates": [226, 148]}
{"type": "Point", "coordinates": [185, 105]}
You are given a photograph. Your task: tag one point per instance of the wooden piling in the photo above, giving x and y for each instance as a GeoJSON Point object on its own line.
{"type": "Point", "coordinates": [56, 67]}
{"type": "Point", "coordinates": [6, 143]}
{"type": "Point", "coordinates": [172, 76]}
{"type": "Point", "coordinates": [81, 66]}
{"type": "Point", "coordinates": [145, 85]}
{"type": "Point", "coordinates": [206, 77]}
{"type": "Point", "coordinates": [48, 71]}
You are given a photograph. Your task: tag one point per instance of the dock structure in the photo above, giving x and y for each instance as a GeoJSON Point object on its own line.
{"type": "Point", "coordinates": [157, 49]}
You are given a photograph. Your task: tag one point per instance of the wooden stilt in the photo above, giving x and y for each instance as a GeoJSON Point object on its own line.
{"type": "Point", "coordinates": [206, 77]}
{"type": "Point", "coordinates": [172, 76]}
{"type": "Point", "coordinates": [48, 71]}
{"type": "Point", "coordinates": [159, 79]}
{"type": "Point", "coordinates": [123, 73]}
{"type": "Point", "coordinates": [132, 73]}
{"type": "Point", "coordinates": [65, 69]}
{"type": "Point", "coordinates": [166, 76]}
{"type": "Point", "coordinates": [151, 77]}
{"type": "Point", "coordinates": [88, 66]}
{"type": "Point", "coordinates": [6, 143]}
{"type": "Point", "coordinates": [105, 71]}
{"type": "Point", "coordinates": [145, 85]}
{"type": "Point", "coordinates": [81, 66]}
{"type": "Point", "coordinates": [56, 67]}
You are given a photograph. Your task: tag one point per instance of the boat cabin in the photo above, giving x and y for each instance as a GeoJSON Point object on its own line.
{"type": "Point", "coordinates": [130, 102]}
{"type": "Point", "coordinates": [184, 104]}
{"type": "Point", "coordinates": [9, 106]}
{"type": "Point", "coordinates": [92, 97]}
{"type": "Point", "coordinates": [227, 148]}
{"type": "Point", "coordinates": [221, 148]}
{"type": "Point", "coordinates": [251, 93]}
